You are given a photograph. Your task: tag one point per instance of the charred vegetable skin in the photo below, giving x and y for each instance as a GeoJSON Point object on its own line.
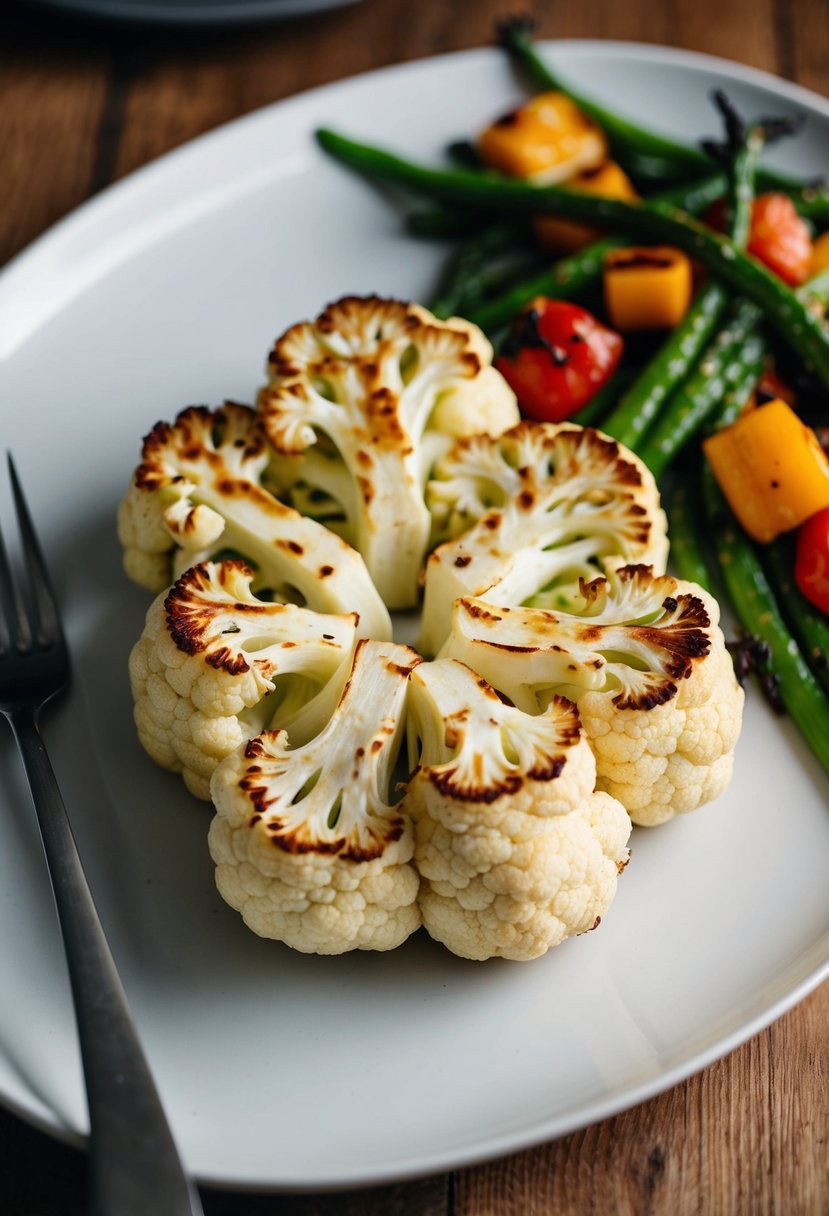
{"type": "Point", "coordinates": [556, 357]}
{"type": "Point", "coordinates": [647, 288]}
{"type": "Point", "coordinates": [549, 139]}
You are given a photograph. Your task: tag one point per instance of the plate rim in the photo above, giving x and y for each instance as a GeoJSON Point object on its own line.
{"type": "Point", "coordinates": [103, 206]}
{"type": "Point", "coordinates": [221, 14]}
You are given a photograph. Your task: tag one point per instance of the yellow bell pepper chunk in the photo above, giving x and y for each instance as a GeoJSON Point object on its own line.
{"type": "Point", "coordinates": [820, 254]}
{"type": "Point", "coordinates": [566, 236]}
{"type": "Point", "coordinates": [647, 288]}
{"type": "Point", "coordinates": [771, 468]}
{"type": "Point", "coordinates": [548, 139]}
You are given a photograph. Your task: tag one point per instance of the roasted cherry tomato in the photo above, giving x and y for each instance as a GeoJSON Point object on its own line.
{"type": "Point", "coordinates": [557, 357]}
{"type": "Point", "coordinates": [811, 569]}
{"type": "Point", "coordinates": [778, 236]}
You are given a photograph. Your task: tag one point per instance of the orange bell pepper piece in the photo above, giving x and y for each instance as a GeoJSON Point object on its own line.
{"type": "Point", "coordinates": [647, 288]}
{"type": "Point", "coordinates": [549, 139]}
{"type": "Point", "coordinates": [771, 468]}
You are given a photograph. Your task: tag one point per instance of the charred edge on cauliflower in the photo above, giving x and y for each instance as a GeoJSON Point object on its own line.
{"type": "Point", "coordinates": [475, 746]}
{"type": "Point", "coordinates": [532, 511]}
{"type": "Point", "coordinates": [285, 802]}
{"type": "Point", "coordinates": [525, 464]}
{"type": "Point", "coordinates": [191, 611]}
{"type": "Point", "coordinates": [187, 434]}
{"type": "Point", "coordinates": [204, 483]}
{"type": "Point", "coordinates": [360, 328]}
{"type": "Point", "coordinates": [678, 634]}
{"type": "Point", "coordinates": [673, 635]}
{"type": "Point", "coordinates": [446, 778]}
{"type": "Point", "coordinates": [350, 402]}
{"type": "Point", "coordinates": [301, 838]}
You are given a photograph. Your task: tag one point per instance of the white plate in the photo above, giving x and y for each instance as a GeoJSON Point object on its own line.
{"type": "Point", "coordinates": [281, 1070]}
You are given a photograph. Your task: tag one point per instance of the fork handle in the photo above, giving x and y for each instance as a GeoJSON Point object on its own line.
{"type": "Point", "coordinates": [134, 1164]}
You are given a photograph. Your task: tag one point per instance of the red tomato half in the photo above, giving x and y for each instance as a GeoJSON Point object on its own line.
{"type": "Point", "coordinates": [778, 236]}
{"type": "Point", "coordinates": [811, 570]}
{"type": "Point", "coordinates": [557, 357]}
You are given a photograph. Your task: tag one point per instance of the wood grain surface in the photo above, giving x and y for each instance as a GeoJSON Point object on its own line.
{"type": "Point", "coordinates": [82, 104]}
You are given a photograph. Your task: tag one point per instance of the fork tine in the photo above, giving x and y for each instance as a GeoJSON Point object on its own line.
{"type": "Point", "coordinates": [46, 619]}
{"type": "Point", "coordinates": [14, 624]}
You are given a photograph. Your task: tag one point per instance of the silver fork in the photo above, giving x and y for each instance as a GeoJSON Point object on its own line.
{"type": "Point", "coordinates": [133, 1162]}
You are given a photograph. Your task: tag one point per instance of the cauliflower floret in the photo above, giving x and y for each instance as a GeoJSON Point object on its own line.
{"type": "Point", "coordinates": [199, 491]}
{"type": "Point", "coordinates": [205, 669]}
{"type": "Point", "coordinates": [306, 844]}
{"type": "Point", "coordinates": [647, 665]}
{"type": "Point", "coordinates": [515, 850]}
{"type": "Point", "coordinates": [683, 757]}
{"type": "Point", "coordinates": [541, 505]}
{"type": "Point", "coordinates": [351, 399]}
{"type": "Point", "coordinates": [484, 405]}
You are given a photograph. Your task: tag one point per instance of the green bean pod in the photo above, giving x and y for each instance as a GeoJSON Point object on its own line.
{"type": "Point", "coordinates": [580, 270]}
{"type": "Point", "coordinates": [438, 223]}
{"type": "Point", "coordinates": [810, 627]}
{"type": "Point", "coordinates": [592, 413]}
{"type": "Point", "coordinates": [759, 614]}
{"type": "Point", "coordinates": [461, 285]}
{"type": "Point", "coordinates": [685, 343]}
{"type": "Point", "coordinates": [673, 361]}
{"type": "Point", "coordinates": [735, 358]}
{"type": "Point", "coordinates": [688, 557]}
{"type": "Point", "coordinates": [815, 290]}
{"type": "Point", "coordinates": [751, 362]}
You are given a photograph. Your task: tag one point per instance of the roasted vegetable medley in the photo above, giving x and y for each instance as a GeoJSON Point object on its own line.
{"type": "Point", "coordinates": [619, 316]}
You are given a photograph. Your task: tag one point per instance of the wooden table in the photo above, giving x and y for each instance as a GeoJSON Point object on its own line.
{"type": "Point", "coordinates": [83, 104]}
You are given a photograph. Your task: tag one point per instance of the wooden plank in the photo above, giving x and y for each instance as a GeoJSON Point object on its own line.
{"type": "Point", "coordinates": [748, 1135]}
{"type": "Point", "coordinates": [52, 99]}
{"type": "Point", "coordinates": [743, 30]}
{"type": "Point", "coordinates": [184, 89]}
{"type": "Point", "coordinates": [803, 29]}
